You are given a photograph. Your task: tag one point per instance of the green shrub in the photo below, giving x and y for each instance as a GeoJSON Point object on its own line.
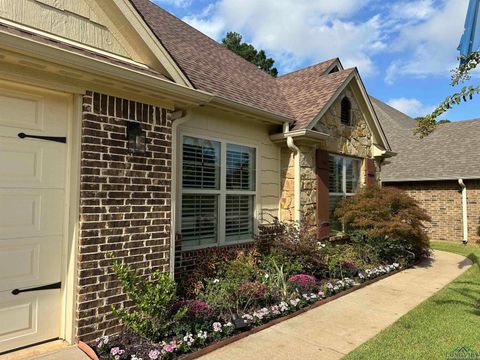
{"type": "Point", "coordinates": [153, 298]}
{"type": "Point", "coordinates": [386, 213]}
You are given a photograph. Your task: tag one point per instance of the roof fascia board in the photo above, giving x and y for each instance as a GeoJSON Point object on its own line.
{"type": "Point", "coordinates": [48, 54]}
{"type": "Point", "coordinates": [367, 100]}
{"type": "Point", "coordinates": [150, 40]}
{"type": "Point", "coordinates": [431, 179]}
{"type": "Point", "coordinates": [336, 63]}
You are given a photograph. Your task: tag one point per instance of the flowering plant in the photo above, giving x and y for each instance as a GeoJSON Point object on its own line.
{"type": "Point", "coordinates": [303, 282]}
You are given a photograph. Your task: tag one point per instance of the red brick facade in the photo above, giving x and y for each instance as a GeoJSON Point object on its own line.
{"type": "Point", "coordinates": [443, 202]}
{"type": "Point", "coordinates": [124, 204]}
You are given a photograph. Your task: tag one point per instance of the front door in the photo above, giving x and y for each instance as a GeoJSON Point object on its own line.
{"type": "Point", "coordinates": [32, 213]}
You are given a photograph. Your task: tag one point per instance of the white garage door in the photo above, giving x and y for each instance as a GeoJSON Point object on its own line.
{"type": "Point", "coordinates": [32, 212]}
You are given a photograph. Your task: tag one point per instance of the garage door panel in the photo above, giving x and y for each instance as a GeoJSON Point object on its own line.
{"type": "Point", "coordinates": [29, 163]}
{"type": "Point", "coordinates": [28, 263]}
{"type": "Point", "coordinates": [33, 112]}
{"type": "Point", "coordinates": [22, 110]}
{"type": "Point", "coordinates": [23, 318]}
{"type": "Point", "coordinates": [31, 212]}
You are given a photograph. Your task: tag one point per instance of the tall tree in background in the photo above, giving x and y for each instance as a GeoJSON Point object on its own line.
{"type": "Point", "coordinates": [233, 41]}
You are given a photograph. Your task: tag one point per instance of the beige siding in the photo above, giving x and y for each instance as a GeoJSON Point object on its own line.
{"type": "Point", "coordinates": [71, 19]}
{"type": "Point", "coordinates": [229, 127]}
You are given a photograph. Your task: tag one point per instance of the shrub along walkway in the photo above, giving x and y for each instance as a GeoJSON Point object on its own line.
{"type": "Point", "coordinates": [336, 328]}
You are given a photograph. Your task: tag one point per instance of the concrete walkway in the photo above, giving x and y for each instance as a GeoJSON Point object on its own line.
{"type": "Point", "coordinates": [336, 328]}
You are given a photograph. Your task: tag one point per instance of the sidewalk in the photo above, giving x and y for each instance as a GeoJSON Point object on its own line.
{"type": "Point", "coordinates": [336, 328]}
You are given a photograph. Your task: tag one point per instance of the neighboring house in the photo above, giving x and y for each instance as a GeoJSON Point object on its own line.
{"type": "Point", "coordinates": [123, 131]}
{"type": "Point", "coordinates": [429, 169]}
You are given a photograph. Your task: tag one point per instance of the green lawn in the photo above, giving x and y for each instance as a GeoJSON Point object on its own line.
{"type": "Point", "coordinates": [447, 320]}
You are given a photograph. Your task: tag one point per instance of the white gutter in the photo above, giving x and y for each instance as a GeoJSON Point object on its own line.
{"type": "Point", "coordinates": [464, 210]}
{"type": "Point", "coordinates": [297, 190]}
{"type": "Point", "coordinates": [178, 118]}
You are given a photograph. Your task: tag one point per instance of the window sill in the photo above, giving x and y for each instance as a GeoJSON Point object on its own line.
{"type": "Point", "coordinates": [213, 246]}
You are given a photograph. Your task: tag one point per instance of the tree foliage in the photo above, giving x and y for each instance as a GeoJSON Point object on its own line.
{"type": "Point", "coordinates": [426, 125]}
{"type": "Point", "coordinates": [233, 42]}
{"type": "Point", "coordinates": [386, 213]}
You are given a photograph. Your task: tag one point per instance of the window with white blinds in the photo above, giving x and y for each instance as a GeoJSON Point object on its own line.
{"type": "Point", "coordinates": [218, 192]}
{"type": "Point", "coordinates": [344, 180]}
{"type": "Point", "coordinates": [239, 217]}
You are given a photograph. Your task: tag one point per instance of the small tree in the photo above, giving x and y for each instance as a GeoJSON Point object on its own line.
{"type": "Point", "coordinates": [233, 42]}
{"type": "Point", "coordinates": [386, 213]}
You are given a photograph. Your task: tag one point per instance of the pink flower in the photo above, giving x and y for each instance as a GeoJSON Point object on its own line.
{"type": "Point", "coordinates": [154, 354]}
{"type": "Point", "coordinates": [303, 282]}
{"type": "Point", "coordinates": [168, 348]}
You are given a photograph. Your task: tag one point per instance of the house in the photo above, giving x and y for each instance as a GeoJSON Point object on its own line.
{"type": "Point", "coordinates": [440, 171]}
{"type": "Point", "coordinates": [126, 133]}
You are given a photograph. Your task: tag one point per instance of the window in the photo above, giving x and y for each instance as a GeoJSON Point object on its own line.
{"type": "Point", "coordinates": [344, 180]}
{"type": "Point", "coordinates": [346, 112]}
{"type": "Point", "coordinates": [218, 192]}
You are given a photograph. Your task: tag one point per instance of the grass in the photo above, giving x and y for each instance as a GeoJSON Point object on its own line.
{"type": "Point", "coordinates": [447, 320]}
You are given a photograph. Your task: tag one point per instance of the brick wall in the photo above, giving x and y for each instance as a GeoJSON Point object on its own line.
{"type": "Point", "coordinates": [125, 204]}
{"type": "Point", "coordinates": [186, 260]}
{"type": "Point", "coordinates": [443, 202]}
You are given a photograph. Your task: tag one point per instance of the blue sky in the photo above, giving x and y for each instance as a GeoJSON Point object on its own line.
{"type": "Point", "coordinates": [404, 49]}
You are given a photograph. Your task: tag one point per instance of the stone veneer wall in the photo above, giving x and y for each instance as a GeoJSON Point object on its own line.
{"type": "Point", "coordinates": [355, 140]}
{"type": "Point", "coordinates": [443, 202]}
{"type": "Point", "coordinates": [124, 205]}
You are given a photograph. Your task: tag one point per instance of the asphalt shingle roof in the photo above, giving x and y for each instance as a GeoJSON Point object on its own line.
{"type": "Point", "coordinates": [211, 67]}
{"type": "Point", "coordinates": [308, 91]}
{"type": "Point", "coordinates": [450, 152]}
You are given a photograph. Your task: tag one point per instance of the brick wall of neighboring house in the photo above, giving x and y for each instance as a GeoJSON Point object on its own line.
{"type": "Point", "coordinates": [443, 202]}
{"type": "Point", "coordinates": [124, 204]}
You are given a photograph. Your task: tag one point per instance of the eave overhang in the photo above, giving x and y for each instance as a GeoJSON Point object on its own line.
{"type": "Point", "coordinates": [302, 135]}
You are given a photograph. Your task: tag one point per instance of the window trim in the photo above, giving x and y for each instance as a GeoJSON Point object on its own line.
{"type": "Point", "coordinates": [344, 175]}
{"type": "Point", "coordinates": [222, 192]}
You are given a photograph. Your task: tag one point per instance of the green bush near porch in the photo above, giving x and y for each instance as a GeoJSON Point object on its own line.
{"type": "Point", "coordinates": [448, 320]}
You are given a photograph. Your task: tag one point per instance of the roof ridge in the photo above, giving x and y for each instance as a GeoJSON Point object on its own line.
{"type": "Point", "coordinates": [332, 60]}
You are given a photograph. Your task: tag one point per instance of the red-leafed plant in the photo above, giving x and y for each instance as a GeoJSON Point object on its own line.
{"type": "Point", "coordinates": [386, 213]}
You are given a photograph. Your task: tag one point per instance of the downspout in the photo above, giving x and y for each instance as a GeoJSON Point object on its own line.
{"type": "Point", "coordinates": [464, 210]}
{"type": "Point", "coordinates": [296, 164]}
{"type": "Point", "coordinates": [178, 118]}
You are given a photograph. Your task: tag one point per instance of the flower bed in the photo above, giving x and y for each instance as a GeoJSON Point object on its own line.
{"type": "Point", "coordinates": [128, 346]}
{"type": "Point", "coordinates": [231, 295]}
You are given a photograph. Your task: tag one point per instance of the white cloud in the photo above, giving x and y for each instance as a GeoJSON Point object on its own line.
{"type": "Point", "coordinates": [410, 106]}
{"type": "Point", "coordinates": [411, 10]}
{"type": "Point", "coordinates": [295, 32]}
{"type": "Point", "coordinates": [429, 47]}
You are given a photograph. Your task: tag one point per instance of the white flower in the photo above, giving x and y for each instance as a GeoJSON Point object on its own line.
{"type": "Point", "coordinates": [228, 324]}
{"type": "Point", "coordinates": [202, 335]}
{"type": "Point", "coordinates": [217, 327]}
{"type": "Point", "coordinates": [321, 294]}
{"type": "Point", "coordinates": [134, 357]}
{"type": "Point", "coordinates": [216, 281]}
{"type": "Point", "coordinates": [275, 310]}
{"type": "Point", "coordinates": [247, 317]}
{"type": "Point", "coordinates": [267, 276]}
{"type": "Point", "coordinates": [294, 302]}
{"type": "Point", "coordinates": [283, 306]}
